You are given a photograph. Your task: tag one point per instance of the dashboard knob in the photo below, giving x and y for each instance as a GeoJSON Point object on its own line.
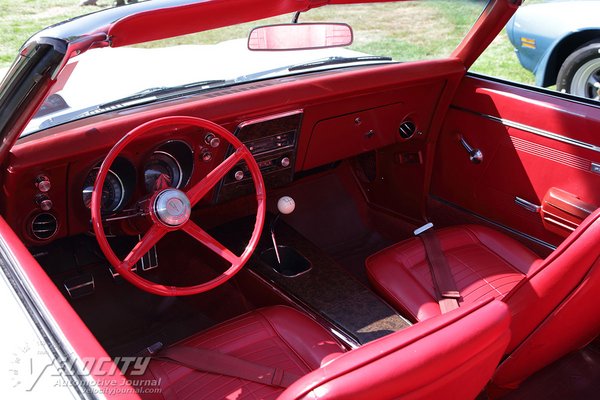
{"type": "Point", "coordinates": [285, 162]}
{"type": "Point", "coordinates": [42, 182]}
{"type": "Point", "coordinates": [44, 202]}
{"type": "Point", "coordinates": [212, 140]}
{"type": "Point", "coordinates": [206, 156]}
{"type": "Point", "coordinates": [239, 175]}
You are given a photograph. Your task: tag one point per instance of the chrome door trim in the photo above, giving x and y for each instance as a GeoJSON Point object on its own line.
{"type": "Point", "coordinates": [493, 223]}
{"type": "Point", "coordinates": [531, 129]}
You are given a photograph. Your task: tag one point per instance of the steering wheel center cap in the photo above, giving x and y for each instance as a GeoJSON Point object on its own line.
{"type": "Point", "coordinates": [172, 207]}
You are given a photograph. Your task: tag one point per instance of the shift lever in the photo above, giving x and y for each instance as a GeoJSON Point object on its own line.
{"type": "Point", "coordinates": [285, 205]}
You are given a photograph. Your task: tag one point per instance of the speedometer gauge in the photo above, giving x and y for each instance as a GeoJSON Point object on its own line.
{"type": "Point", "coordinates": [162, 171]}
{"type": "Point", "coordinates": [113, 191]}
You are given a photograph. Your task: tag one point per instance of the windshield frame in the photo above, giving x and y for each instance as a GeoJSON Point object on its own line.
{"type": "Point", "coordinates": [121, 26]}
{"type": "Point", "coordinates": [31, 77]}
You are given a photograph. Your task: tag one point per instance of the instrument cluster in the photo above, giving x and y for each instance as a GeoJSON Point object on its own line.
{"type": "Point", "coordinates": [170, 165]}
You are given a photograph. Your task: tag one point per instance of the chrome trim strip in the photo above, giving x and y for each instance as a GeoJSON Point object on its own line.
{"type": "Point", "coordinates": [48, 329]}
{"type": "Point", "coordinates": [531, 129]}
{"type": "Point", "coordinates": [345, 337]}
{"type": "Point", "coordinates": [496, 224]}
{"type": "Point", "coordinates": [560, 224]}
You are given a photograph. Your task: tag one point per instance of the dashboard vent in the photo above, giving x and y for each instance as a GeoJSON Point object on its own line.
{"type": "Point", "coordinates": [407, 129]}
{"type": "Point", "coordinates": [44, 226]}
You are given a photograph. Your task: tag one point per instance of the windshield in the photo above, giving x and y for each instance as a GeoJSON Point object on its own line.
{"type": "Point", "coordinates": [106, 79]}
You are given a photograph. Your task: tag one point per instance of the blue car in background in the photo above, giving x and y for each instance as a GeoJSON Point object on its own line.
{"type": "Point", "coordinates": [559, 41]}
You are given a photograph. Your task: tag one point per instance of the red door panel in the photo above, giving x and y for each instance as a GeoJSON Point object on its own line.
{"type": "Point", "coordinates": [534, 146]}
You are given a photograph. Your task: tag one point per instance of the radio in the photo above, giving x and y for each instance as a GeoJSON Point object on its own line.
{"type": "Point", "coordinates": [264, 145]}
{"type": "Point", "coordinates": [272, 141]}
{"type": "Point", "coordinates": [274, 164]}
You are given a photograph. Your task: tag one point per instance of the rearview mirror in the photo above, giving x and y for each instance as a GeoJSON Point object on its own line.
{"type": "Point", "coordinates": [300, 36]}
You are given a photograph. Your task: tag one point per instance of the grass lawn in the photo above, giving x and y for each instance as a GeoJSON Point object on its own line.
{"type": "Point", "coordinates": [429, 29]}
{"type": "Point", "coordinates": [22, 18]}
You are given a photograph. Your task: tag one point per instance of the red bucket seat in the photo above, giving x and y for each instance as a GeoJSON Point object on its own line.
{"type": "Point", "coordinates": [553, 302]}
{"type": "Point", "coordinates": [453, 355]}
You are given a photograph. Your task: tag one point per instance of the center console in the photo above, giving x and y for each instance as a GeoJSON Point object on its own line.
{"type": "Point", "coordinates": [313, 280]}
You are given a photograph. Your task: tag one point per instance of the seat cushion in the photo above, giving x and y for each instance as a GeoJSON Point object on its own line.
{"type": "Point", "coordinates": [484, 263]}
{"type": "Point", "coordinates": [451, 356]}
{"type": "Point", "coordinates": [275, 337]}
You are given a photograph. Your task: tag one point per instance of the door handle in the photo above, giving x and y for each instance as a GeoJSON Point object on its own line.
{"type": "Point", "coordinates": [529, 206]}
{"type": "Point", "coordinates": [475, 155]}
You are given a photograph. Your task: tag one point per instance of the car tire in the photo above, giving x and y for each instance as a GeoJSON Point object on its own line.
{"type": "Point", "coordinates": [580, 73]}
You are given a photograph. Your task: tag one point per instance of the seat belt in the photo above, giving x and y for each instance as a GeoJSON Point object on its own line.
{"type": "Point", "coordinates": [214, 362]}
{"type": "Point", "coordinates": [441, 275]}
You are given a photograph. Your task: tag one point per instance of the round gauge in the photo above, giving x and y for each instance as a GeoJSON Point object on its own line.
{"type": "Point", "coordinates": [113, 191]}
{"type": "Point", "coordinates": [162, 171]}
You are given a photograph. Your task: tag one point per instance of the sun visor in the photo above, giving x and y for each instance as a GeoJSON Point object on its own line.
{"type": "Point", "coordinates": [163, 23]}
{"type": "Point", "coordinates": [182, 19]}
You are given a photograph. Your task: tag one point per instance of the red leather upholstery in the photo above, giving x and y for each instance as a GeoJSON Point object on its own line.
{"type": "Point", "coordinates": [450, 356]}
{"type": "Point", "coordinates": [574, 324]}
{"type": "Point", "coordinates": [556, 308]}
{"type": "Point", "coordinates": [454, 353]}
{"type": "Point", "coordinates": [276, 337]}
{"type": "Point", "coordinates": [553, 302]}
{"type": "Point", "coordinates": [484, 263]}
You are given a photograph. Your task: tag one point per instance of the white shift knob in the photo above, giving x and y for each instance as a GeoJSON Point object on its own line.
{"type": "Point", "coordinates": [286, 205]}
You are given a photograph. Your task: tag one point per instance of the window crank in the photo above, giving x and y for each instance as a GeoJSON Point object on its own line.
{"type": "Point", "coordinates": [475, 155]}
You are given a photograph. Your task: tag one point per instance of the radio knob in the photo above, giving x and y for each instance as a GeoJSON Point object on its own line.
{"type": "Point", "coordinates": [285, 162]}
{"type": "Point", "coordinates": [206, 156]}
{"type": "Point", "coordinates": [211, 140]}
{"type": "Point", "coordinates": [44, 202]}
{"type": "Point", "coordinates": [239, 175]}
{"type": "Point", "coordinates": [42, 182]}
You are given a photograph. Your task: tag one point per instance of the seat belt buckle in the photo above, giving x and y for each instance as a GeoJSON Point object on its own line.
{"type": "Point", "coordinates": [423, 228]}
{"type": "Point", "coordinates": [152, 350]}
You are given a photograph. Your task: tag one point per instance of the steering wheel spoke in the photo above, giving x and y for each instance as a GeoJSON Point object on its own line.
{"type": "Point", "coordinates": [203, 237]}
{"type": "Point", "coordinates": [200, 189]}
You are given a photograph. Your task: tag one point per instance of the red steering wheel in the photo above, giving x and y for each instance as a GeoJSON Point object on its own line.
{"type": "Point", "coordinates": [170, 210]}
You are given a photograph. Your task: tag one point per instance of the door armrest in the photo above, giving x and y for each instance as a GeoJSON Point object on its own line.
{"type": "Point", "coordinates": [562, 212]}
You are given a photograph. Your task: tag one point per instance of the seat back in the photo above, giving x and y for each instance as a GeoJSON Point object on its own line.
{"type": "Point", "coordinates": [450, 356]}
{"type": "Point", "coordinates": [555, 309]}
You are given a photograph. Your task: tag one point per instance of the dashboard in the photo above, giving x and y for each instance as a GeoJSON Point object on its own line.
{"type": "Point", "coordinates": [289, 126]}
{"type": "Point", "coordinates": [271, 140]}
